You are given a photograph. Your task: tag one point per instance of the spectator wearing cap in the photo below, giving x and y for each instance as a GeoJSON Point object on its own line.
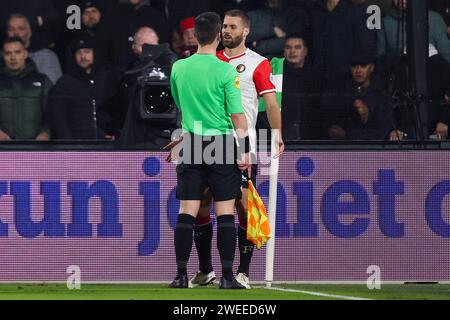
{"type": "Point", "coordinates": [338, 27]}
{"type": "Point", "coordinates": [121, 24]}
{"type": "Point", "coordinates": [181, 10]}
{"type": "Point", "coordinates": [82, 103]}
{"type": "Point", "coordinates": [92, 22]}
{"type": "Point", "coordinates": [46, 60]}
{"type": "Point", "coordinates": [23, 95]}
{"type": "Point", "coordinates": [187, 32]}
{"type": "Point", "coordinates": [361, 111]}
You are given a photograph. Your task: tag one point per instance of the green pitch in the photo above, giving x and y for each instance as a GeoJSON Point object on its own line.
{"type": "Point", "coordinates": [161, 292]}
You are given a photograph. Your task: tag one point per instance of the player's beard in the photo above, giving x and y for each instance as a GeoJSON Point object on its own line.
{"type": "Point", "coordinates": [232, 43]}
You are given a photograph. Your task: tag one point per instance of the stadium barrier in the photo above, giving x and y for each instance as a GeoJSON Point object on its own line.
{"type": "Point", "coordinates": [112, 214]}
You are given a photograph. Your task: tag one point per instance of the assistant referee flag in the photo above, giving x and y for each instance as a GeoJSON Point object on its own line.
{"type": "Point", "coordinates": [258, 228]}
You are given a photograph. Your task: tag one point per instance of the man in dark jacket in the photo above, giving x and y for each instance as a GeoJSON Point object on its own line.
{"type": "Point", "coordinates": [93, 12]}
{"type": "Point", "coordinates": [360, 111]}
{"type": "Point", "coordinates": [294, 82]}
{"type": "Point", "coordinates": [339, 27]}
{"type": "Point", "coordinates": [82, 102]}
{"type": "Point", "coordinates": [23, 96]}
{"type": "Point", "coordinates": [299, 115]}
{"type": "Point", "coordinates": [122, 22]}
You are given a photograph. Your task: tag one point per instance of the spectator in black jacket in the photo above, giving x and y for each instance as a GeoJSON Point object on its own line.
{"type": "Point", "coordinates": [82, 102]}
{"type": "Point", "coordinates": [91, 27]}
{"type": "Point", "coordinates": [338, 28]}
{"type": "Point", "coordinates": [122, 22]}
{"type": "Point", "coordinates": [299, 115]}
{"type": "Point", "coordinates": [65, 36]}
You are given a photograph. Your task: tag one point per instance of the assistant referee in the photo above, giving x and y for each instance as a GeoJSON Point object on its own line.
{"type": "Point", "coordinates": [207, 91]}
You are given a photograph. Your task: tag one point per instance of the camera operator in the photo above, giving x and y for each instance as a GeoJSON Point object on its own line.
{"type": "Point", "coordinates": [151, 115]}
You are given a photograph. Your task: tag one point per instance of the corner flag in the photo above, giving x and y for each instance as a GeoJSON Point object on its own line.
{"type": "Point", "coordinates": [258, 228]}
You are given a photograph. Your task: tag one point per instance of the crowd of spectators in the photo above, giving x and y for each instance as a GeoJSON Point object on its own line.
{"type": "Point", "coordinates": [336, 78]}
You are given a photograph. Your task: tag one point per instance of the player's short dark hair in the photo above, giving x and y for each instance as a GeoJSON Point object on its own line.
{"type": "Point", "coordinates": [241, 14]}
{"type": "Point", "coordinates": [297, 36]}
{"type": "Point", "coordinates": [207, 27]}
{"type": "Point", "coordinates": [13, 40]}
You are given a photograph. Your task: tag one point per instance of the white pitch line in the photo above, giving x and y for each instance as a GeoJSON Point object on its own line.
{"type": "Point", "coordinates": [319, 294]}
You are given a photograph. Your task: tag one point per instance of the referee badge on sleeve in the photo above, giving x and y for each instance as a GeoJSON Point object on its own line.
{"type": "Point", "coordinates": [237, 83]}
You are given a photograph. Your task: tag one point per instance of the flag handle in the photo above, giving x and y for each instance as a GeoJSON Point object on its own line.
{"type": "Point", "coordinates": [270, 248]}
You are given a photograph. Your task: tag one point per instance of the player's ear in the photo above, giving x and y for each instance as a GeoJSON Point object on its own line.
{"type": "Point", "coordinates": [246, 31]}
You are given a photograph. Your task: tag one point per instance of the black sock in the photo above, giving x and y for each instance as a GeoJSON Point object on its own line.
{"type": "Point", "coordinates": [203, 237]}
{"type": "Point", "coordinates": [226, 243]}
{"type": "Point", "coordinates": [183, 241]}
{"type": "Point", "coordinates": [245, 251]}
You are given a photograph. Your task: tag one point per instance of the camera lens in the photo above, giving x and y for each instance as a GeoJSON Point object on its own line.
{"type": "Point", "coordinates": [157, 99]}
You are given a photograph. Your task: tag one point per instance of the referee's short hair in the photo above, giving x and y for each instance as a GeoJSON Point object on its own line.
{"type": "Point", "coordinates": [207, 26]}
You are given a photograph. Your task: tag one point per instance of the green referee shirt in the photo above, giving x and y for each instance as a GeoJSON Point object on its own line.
{"type": "Point", "coordinates": [207, 91]}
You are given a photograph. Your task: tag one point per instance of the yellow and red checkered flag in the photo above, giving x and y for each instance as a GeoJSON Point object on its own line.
{"type": "Point", "coordinates": [258, 228]}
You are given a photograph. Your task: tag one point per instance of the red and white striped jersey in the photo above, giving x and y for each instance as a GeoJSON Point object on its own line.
{"type": "Point", "coordinates": [256, 77]}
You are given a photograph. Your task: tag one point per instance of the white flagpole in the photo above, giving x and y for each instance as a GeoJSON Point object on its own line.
{"type": "Point", "coordinates": [270, 248]}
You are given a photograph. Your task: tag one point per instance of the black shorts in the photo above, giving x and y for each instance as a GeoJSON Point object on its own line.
{"type": "Point", "coordinates": [223, 179]}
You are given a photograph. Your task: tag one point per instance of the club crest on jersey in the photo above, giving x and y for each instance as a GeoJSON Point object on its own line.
{"type": "Point", "coordinates": [241, 68]}
{"type": "Point", "coordinates": [237, 83]}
